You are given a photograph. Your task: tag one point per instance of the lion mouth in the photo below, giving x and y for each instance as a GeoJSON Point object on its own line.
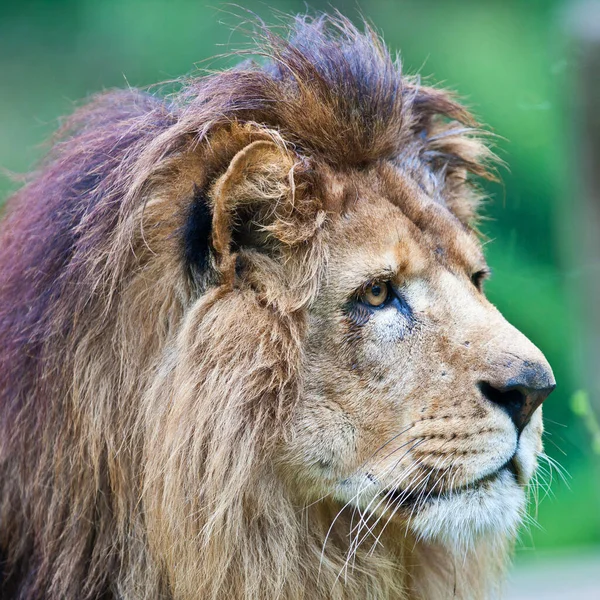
{"type": "Point", "coordinates": [423, 497]}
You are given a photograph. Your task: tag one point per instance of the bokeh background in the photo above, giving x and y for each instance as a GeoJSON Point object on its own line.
{"type": "Point", "coordinates": [528, 69]}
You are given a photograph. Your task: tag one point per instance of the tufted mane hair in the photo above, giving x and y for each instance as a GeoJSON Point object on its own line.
{"type": "Point", "coordinates": [107, 276]}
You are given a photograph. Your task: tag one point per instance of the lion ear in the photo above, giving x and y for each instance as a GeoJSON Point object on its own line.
{"type": "Point", "coordinates": [260, 201]}
{"type": "Point", "coordinates": [456, 153]}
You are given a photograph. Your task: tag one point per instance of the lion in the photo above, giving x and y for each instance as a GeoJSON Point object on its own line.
{"type": "Point", "coordinates": [246, 350]}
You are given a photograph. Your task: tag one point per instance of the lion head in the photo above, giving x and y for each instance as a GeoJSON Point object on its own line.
{"type": "Point", "coordinates": [246, 350]}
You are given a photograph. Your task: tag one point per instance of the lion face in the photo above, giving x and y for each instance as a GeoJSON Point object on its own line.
{"type": "Point", "coordinates": [221, 308]}
{"type": "Point", "coordinates": [421, 400]}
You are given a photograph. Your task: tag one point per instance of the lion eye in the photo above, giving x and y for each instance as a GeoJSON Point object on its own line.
{"type": "Point", "coordinates": [376, 293]}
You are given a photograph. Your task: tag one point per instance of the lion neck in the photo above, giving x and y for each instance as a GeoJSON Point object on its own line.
{"type": "Point", "coordinates": [299, 553]}
{"type": "Point", "coordinates": [391, 563]}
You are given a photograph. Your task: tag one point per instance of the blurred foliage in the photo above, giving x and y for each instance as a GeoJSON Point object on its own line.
{"type": "Point", "coordinates": [511, 61]}
{"type": "Point", "coordinates": [582, 407]}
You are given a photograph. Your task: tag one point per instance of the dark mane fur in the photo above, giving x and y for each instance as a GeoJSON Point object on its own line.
{"type": "Point", "coordinates": [70, 247]}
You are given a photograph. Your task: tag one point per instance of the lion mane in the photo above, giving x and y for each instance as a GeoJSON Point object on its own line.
{"type": "Point", "coordinates": [147, 375]}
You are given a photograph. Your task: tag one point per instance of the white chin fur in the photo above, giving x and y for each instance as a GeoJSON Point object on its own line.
{"type": "Point", "coordinates": [461, 519]}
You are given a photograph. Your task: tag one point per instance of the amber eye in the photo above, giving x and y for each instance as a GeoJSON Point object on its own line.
{"type": "Point", "coordinates": [375, 293]}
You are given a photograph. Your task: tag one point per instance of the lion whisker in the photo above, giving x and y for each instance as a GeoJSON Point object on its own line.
{"type": "Point", "coordinates": [554, 464]}
{"type": "Point", "coordinates": [388, 496]}
{"type": "Point", "coordinates": [357, 541]}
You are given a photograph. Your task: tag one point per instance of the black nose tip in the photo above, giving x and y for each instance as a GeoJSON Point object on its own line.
{"type": "Point", "coordinates": [519, 397]}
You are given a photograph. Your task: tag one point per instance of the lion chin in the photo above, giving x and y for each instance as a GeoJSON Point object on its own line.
{"type": "Point", "coordinates": [462, 518]}
{"type": "Point", "coordinates": [246, 351]}
{"type": "Point", "coordinates": [490, 508]}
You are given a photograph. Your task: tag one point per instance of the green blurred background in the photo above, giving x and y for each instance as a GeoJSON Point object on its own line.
{"type": "Point", "coordinates": [519, 66]}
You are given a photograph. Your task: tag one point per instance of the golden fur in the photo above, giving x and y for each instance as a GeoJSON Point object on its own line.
{"type": "Point", "coordinates": [197, 403]}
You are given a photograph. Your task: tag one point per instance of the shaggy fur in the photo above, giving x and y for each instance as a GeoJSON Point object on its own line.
{"type": "Point", "coordinates": [191, 388]}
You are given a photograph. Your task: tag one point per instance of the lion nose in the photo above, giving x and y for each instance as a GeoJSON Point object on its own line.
{"type": "Point", "coordinates": [522, 395]}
